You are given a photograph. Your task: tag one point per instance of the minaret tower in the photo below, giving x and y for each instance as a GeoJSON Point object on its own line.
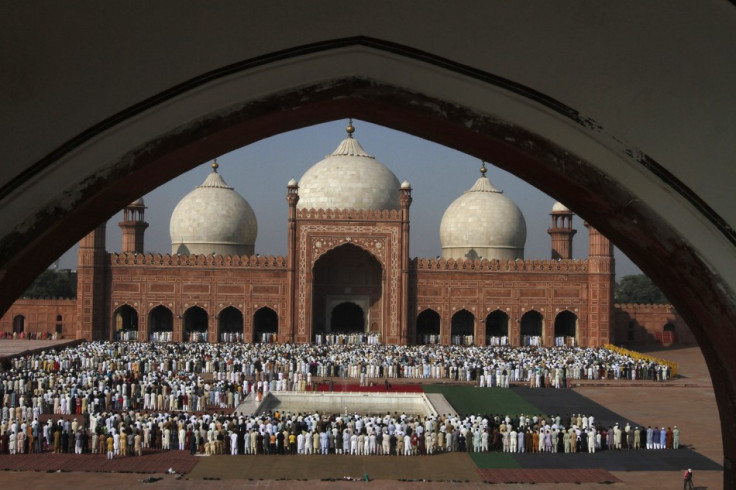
{"type": "Point", "coordinates": [133, 227]}
{"type": "Point", "coordinates": [601, 277]}
{"type": "Point", "coordinates": [561, 232]}
{"type": "Point", "coordinates": [91, 292]}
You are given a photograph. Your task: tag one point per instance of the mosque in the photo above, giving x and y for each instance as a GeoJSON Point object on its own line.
{"type": "Point", "coordinates": [347, 277]}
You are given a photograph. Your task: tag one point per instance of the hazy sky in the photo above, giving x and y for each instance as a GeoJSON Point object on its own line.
{"type": "Point", "coordinates": [438, 175]}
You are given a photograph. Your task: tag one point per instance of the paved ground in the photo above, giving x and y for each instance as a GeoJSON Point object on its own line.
{"type": "Point", "coordinates": [687, 402]}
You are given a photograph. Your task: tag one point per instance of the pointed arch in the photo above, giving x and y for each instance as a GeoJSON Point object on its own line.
{"type": "Point", "coordinates": [125, 323]}
{"type": "Point", "coordinates": [462, 328]}
{"type": "Point", "coordinates": [429, 327]}
{"type": "Point", "coordinates": [196, 324]}
{"type": "Point", "coordinates": [532, 328]}
{"type": "Point", "coordinates": [230, 325]}
{"type": "Point", "coordinates": [265, 325]}
{"type": "Point", "coordinates": [497, 328]}
{"type": "Point", "coordinates": [161, 324]}
{"type": "Point", "coordinates": [566, 329]}
{"type": "Point", "coordinates": [19, 324]}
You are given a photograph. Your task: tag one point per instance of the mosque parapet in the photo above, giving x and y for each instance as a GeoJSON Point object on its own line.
{"type": "Point", "coordinates": [252, 261]}
{"type": "Point", "coordinates": [496, 265]}
{"type": "Point", "coordinates": [350, 214]}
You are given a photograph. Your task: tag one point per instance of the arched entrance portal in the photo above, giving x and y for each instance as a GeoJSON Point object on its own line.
{"type": "Point", "coordinates": [497, 328]}
{"type": "Point", "coordinates": [428, 327]}
{"type": "Point", "coordinates": [195, 325]}
{"type": "Point", "coordinates": [265, 326]}
{"type": "Point", "coordinates": [230, 325]}
{"type": "Point", "coordinates": [161, 324]}
{"type": "Point", "coordinates": [125, 324]}
{"type": "Point", "coordinates": [19, 325]}
{"type": "Point", "coordinates": [532, 328]}
{"type": "Point", "coordinates": [347, 297]}
{"type": "Point", "coordinates": [463, 328]}
{"type": "Point", "coordinates": [566, 329]}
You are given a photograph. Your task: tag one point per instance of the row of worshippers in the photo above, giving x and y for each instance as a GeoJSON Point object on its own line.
{"type": "Point", "coordinates": [281, 433]}
{"type": "Point", "coordinates": [105, 376]}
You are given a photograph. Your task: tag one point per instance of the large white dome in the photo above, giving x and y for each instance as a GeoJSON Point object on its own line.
{"type": "Point", "coordinates": [349, 178]}
{"type": "Point", "coordinates": [483, 223]}
{"type": "Point", "coordinates": [213, 219]}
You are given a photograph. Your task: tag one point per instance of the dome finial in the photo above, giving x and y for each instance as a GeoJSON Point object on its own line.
{"type": "Point", "coordinates": [350, 129]}
{"type": "Point", "coordinates": [483, 169]}
{"type": "Point", "coordinates": [214, 165]}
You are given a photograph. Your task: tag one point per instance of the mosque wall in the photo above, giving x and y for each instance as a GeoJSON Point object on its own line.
{"type": "Point", "coordinates": [42, 317]}
{"type": "Point", "coordinates": [514, 287]}
{"type": "Point", "coordinates": [639, 325]}
{"type": "Point", "coordinates": [212, 283]}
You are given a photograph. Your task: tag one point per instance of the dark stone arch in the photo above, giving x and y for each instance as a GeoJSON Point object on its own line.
{"type": "Point", "coordinates": [542, 163]}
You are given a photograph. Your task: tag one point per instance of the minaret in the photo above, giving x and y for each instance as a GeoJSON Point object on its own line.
{"type": "Point", "coordinates": [91, 293]}
{"type": "Point", "coordinates": [133, 227]}
{"type": "Point", "coordinates": [404, 203]}
{"type": "Point", "coordinates": [561, 232]}
{"type": "Point", "coordinates": [292, 198]}
{"type": "Point", "coordinates": [601, 277]}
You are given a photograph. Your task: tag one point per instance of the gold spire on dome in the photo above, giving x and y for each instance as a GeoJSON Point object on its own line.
{"type": "Point", "coordinates": [214, 165]}
{"type": "Point", "coordinates": [483, 169]}
{"type": "Point", "coordinates": [350, 129]}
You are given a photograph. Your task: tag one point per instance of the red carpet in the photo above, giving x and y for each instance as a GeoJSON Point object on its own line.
{"type": "Point", "coordinates": [378, 388]}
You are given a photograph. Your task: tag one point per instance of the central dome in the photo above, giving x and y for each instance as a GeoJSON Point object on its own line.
{"type": "Point", "coordinates": [349, 178]}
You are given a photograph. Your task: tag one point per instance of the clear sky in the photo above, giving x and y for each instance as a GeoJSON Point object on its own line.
{"type": "Point", "coordinates": [437, 174]}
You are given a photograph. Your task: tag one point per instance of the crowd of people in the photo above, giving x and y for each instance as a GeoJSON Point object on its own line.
{"type": "Point", "coordinates": [124, 383]}
{"type": "Point", "coordinates": [130, 433]}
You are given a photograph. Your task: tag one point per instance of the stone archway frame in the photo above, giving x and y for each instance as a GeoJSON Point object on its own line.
{"type": "Point", "coordinates": [381, 242]}
{"type": "Point", "coordinates": [615, 186]}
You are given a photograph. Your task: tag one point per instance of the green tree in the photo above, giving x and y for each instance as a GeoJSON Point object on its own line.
{"type": "Point", "coordinates": [53, 284]}
{"type": "Point", "coordinates": [638, 289]}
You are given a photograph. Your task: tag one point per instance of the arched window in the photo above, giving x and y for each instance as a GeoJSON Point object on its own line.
{"type": "Point", "coordinates": [531, 328]}
{"type": "Point", "coordinates": [566, 327]}
{"type": "Point", "coordinates": [195, 325]}
{"type": "Point", "coordinates": [265, 325]}
{"type": "Point", "coordinates": [463, 328]}
{"type": "Point", "coordinates": [497, 328]}
{"type": "Point", "coordinates": [428, 327]}
{"type": "Point", "coordinates": [230, 325]}
{"type": "Point", "coordinates": [125, 321]}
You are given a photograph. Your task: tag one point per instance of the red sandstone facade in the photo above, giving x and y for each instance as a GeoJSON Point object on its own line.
{"type": "Point", "coordinates": [346, 271]}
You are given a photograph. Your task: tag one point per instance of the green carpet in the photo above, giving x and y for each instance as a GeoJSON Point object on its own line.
{"type": "Point", "coordinates": [486, 461]}
{"type": "Point", "coordinates": [468, 400]}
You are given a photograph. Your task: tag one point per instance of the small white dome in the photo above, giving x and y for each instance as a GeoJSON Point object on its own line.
{"type": "Point", "coordinates": [483, 223]}
{"type": "Point", "coordinates": [213, 219]}
{"type": "Point", "coordinates": [292, 183]}
{"type": "Point", "coordinates": [558, 207]}
{"type": "Point", "coordinates": [406, 185]}
{"type": "Point", "coordinates": [349, 178]}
